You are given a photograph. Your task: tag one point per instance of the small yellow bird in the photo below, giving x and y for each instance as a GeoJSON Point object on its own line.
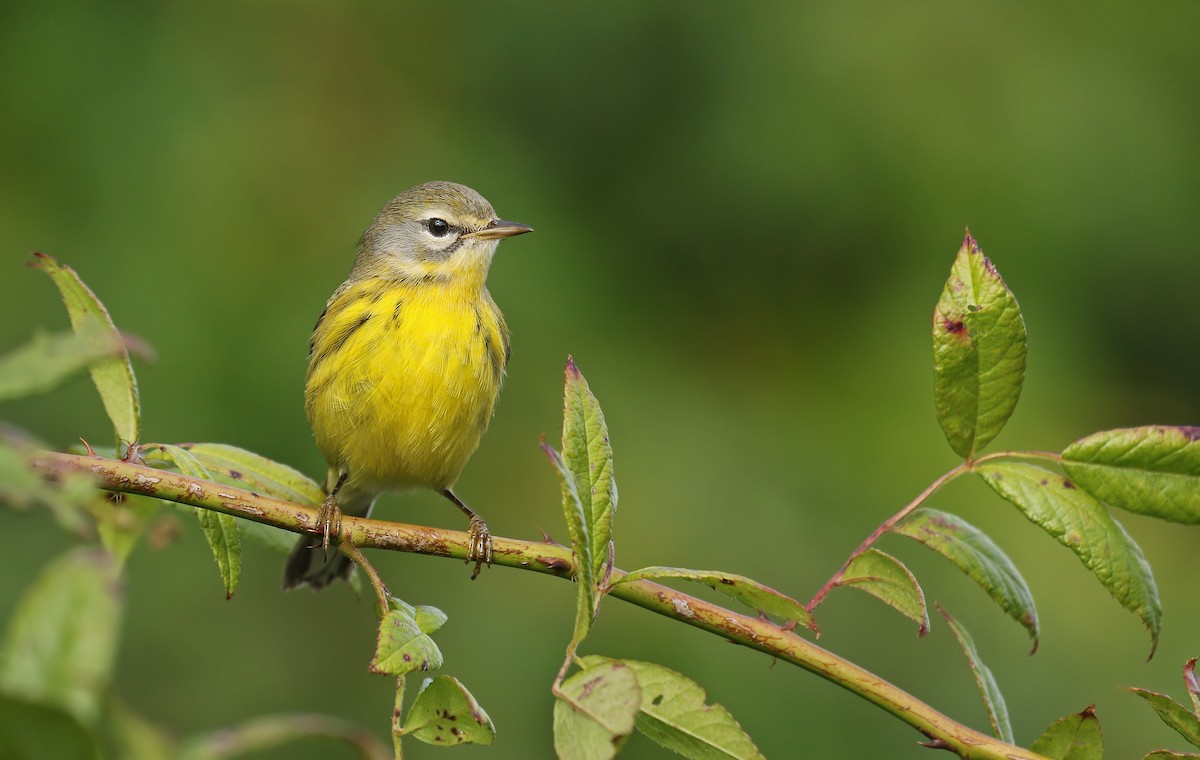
{"type": "Point", "coordinates": [405, 364]}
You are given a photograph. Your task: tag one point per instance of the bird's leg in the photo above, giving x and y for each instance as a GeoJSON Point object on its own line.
{"type": "Point", "coordinates": [329, 517]}
{"type": "Point", "coordinates": [479, 539]}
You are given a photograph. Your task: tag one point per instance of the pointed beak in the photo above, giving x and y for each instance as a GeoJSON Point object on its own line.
{"type": "Point", "coordinates": [498, 229]}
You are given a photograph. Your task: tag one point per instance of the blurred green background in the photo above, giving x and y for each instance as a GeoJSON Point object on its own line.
{"type": "Point", "coordinates": [744, 217]}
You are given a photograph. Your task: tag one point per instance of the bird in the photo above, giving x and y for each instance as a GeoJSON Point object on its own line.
{"type": "Point", "coordinates": [405, 365]}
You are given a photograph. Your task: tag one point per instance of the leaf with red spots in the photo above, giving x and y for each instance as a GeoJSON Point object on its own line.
{"type": "Point", "coordinates": [748, 591]}
{"type": "Point", "coordinates": [1079, 522]}
{"type": "Point", "coordinates": [1075, 737]}
{"type": "Point", "coordinates": [978, 352]}
{"type": "Point", "coordinates": [444, 713]}
{"type": "Point", "coordinates": [993, 700]}
{"type": "Point", "coordinates": [888, 580]}
{"type": "Point", "coordinates": [113, 377]}
{"type": "Point", "coordinates": [975, 554]}
{"type": "Point", "coordinates": [402, 647]}
{"type": "Point", "coordinates": [596, 711]}
{"type": "Point", "coordinates": [1152, 470]}
{"type": "Point", "coordinates": [674, 714]}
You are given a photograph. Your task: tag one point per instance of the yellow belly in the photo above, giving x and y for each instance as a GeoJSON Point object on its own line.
{"type": "Point", "coordinates": [402, 381]}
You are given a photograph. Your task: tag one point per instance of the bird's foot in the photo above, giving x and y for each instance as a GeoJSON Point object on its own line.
{"type": "Point", "coordinates": [329, 520]}
{"type": "Point", "coordinates": [479, 545]}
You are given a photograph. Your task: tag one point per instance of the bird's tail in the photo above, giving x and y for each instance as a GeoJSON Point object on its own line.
{"type": "Point", "coordinates": [309, 564]}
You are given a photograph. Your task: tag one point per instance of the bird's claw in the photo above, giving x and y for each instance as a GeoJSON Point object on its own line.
{"type": "Point", "coordinates": [479, 545]}
{"type": "Point", "coordinates": [329, 521]}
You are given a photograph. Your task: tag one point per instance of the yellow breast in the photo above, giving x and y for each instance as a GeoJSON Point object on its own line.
{"type": "Point", "coordinates": [402, 380]}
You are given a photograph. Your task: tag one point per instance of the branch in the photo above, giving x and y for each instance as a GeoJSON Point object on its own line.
{"type": "Point", "coordinates": [551, 559]}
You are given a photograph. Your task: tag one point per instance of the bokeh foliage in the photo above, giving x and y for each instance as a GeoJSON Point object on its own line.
{"type": "Point", "coordinates": [742, 219]}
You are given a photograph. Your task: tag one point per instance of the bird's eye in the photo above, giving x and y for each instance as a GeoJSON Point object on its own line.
{"type": "Point", "coordinates": [438, 227]}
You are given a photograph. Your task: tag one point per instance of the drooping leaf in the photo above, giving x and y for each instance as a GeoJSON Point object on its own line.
{"type": "Point", "coordinates": [1075, 737]}
{"type": "Point", "coordinates": [220, 530]}
{"type": "Point", "coordinates": [596, 712]}
{"type": "Point", "coordinates": [1152, 470]}
{"type": "Point", "coordinates": [748, 591]}
{"type": "Point", "coordinates": [62, 639]}
{"type": "Point", "coordinates": [1082, 524]}
{"type": "Point", "coordinates": [674, 715]}
{"type": "Point", "coordinates": [402, 647]}
{"type": "Point", "coordinates": [978, 352]}
{"type": "Point", "coordinates": [975, 554]}
{"type": "Point", "coordinates": [1173, 714]}
{"type": "Point", "coordinates": [113, 377]}
{"type": "Point", "coordinates": [993, 699]}
{"type": "Point", "coordinates": [581, 543]}
{"type": "Point", "coordinates": [47, 360]}
{"type": "Point", "coordinates": [32, 731]}
{"type": "Point", "coordinates": [887, 579]}
{"type": "Point", "coordinates": [588, 454]}
{"type": "Point", "coordinates": [446, 714]}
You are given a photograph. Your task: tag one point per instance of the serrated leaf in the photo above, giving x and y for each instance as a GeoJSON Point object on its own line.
{"type": "Point", "coordinates": [888, 580]}
{"type": "Point", "coordinates": [1153, 470]}
{"type": "Point", "coordinates": [975, 554]}
{"type": "Point", "coordinates": [588, 454]}
{"type": "Point", "coordinates": [446, 714]}
{"type": "Point", "coordinates": [581, 543]}
{"type": "Point", "coordinates": [31, 731]}
{"type": "Point", "coordinates": [47, 360]}
{"type": "Point", "coordinates": [674, 715]}
{"type": "Point", "coordinates": [402, 647]}
{"type": "Point", "coordinates": [1173, 714]}
{"type": "Point", "coordinates": [1080, 523]}
{"type": "Point", "coordinates": [62, 639]}
{"type": "Point", "coordinates": [978, 352]}
{"type": "Point", "coordinates": [993, 699]}
{"type": "Point", "coordinates": [220, 530]}
{"type": "Point", "coordinates": [1075, 737]}
{"type": "Point", "coordinates": [596, 712]}
{"type": "Point", "coordinates": [748, 591]}
{"type": "Point", "coordinates": [113, 377]}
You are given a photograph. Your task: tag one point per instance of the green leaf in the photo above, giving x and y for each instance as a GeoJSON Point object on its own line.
{"type": "Point", "coordinates": [220, 530]}
{"type": "Point", "coordinates": [113, 377]}
{"type": "Point", "coordinates": [30, 731]}
{"type": "Point", "coordinates": [588, 455]}
{"type": "Point", "coordinates": [750, 592]}
{"type": "Point", "coordinates": [1166, 754]}
{"type": "Point", "coordinates": [1149, 470]}
{"type": "Point", "coordinates": [1173, 714]}
{"type": "Point", "coordinates": [1075, 737]}
{"type": "Point", "coordinates": [887, 579]}
{"type": "Point", "coordinates": [978, 352]}
{"type": "Point", "coordinates": [674, 715]}
{"type": "Point", "coordinates": [254, 472]}
{"type": "Point", "coordinates": [402, 647]}
{"type": "Point", "coordinates": [429, 619]}
{"type": "Point", "coordinates": [596, 712]}
{"type": "Point", "coordinates": [67, 498]}
{"type": "Point", "coordinates": [1081, 524]}
{"type": "Point", "coordinates": [581, 543]}
{"type": "Point", "coordinates": [993, 700]}
{"type": "Point", "coordinates": [47, 360]}
{"type": "Point", "coordinates": [62, 639]}
{"type": "Point", "coordinates": [445, 713]}
{"type": "Point", "coordinates": [975, 554]}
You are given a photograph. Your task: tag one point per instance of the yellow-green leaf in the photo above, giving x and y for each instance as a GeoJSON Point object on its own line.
{"type": "Point", "coordinates": [402, 647]}
{"type": "Point", "coordinates": [1175, 715]}
{"type": "Point", "coordinates": [978, 352]}
{"type": "Point", "coordinates": [1153, 470]}
{"type": "Point", "coordinates": [888, 580]}
{"type": "Point", "coordinates": [581, 543]}
{"type": "Point", "coordinates": [1075, 737]}
{"type": "Point", "coordinates": [595, 712]}
{"type": "Point", "coordinates": [588, 454]}
{"type": "Point", "coordinates": [47, 360]}
{"type": "Point", "coordinates": [1080, 523]}
{"type": "Point", "coordinates": [978, 556]}
{"type": "Point", "coordinates": [993, 700]}
{"type": "Point", "coordinates": [113, 377]}
{"type": "Point", "coordinates": [445, 714]}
